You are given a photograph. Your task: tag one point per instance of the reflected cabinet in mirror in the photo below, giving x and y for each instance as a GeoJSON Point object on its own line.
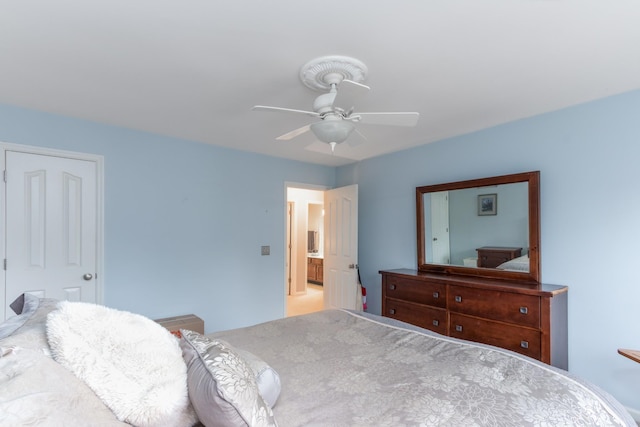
{"type": "Point", "coordinates": [488, 227]}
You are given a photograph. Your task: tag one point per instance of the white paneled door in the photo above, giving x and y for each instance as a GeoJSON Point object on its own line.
{"type": "Point", "coordinates": [440, 227]}
{"type": "Point", "coordinates": [341, 248]}
{"type": "Point", "coordinates": [51, 227]}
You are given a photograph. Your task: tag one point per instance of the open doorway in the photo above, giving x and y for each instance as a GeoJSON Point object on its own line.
{"type": "Point", "coordinates": [305, 242]}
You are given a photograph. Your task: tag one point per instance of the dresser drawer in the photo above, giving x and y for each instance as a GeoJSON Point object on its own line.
{"type": "Point", "coordinates": [434, 319]}
{"type": "Point", "coordinates": [522, 340]}
{"type": "Point", "coordinates": [419, 291]}
{"type": "Point", "coordinates": [497, 305]}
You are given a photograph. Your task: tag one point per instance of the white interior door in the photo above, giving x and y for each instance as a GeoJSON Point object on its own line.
{"type": "Point", "coordinates": [51, 227]}
{"type": "Point", "coordinates": [341, 248]}
{"type": "Point", "coordinates": [440, 227]}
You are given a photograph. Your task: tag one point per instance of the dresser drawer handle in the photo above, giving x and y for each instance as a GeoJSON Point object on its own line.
{"type": "Point", "coordinates": [458, 298]}
{"type": "Point", "coordinates": [392, 287]}
{"type": "Point", "coordinates": [524, 310]}
{"type": "Point", "coordinates": [524, 344]}
{"type": "Point", "coordinates": [435, 323]}
{"type": "Point", "coordinates": [392, 311]}
{"type": "Point", "coordinates": [458, 328]}
{"type": "Point", "coordinates": [436, 295]}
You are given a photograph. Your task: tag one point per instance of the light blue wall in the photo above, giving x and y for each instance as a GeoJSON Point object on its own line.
{"type": "Point", "coordinates": [469, 231]}
{"type": "Point", "coordinates": [184, 222]}
{"type": "Point", "coordinates": [588, 157]}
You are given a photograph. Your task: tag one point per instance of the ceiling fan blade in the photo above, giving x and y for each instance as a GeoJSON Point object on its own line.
{"type": "Point", "coordinates": [356, 138]}
{"type": "Point", "coordinates": [348, 93]}
{"type": "Point", "coordinates": [285, 110]}
{"type": "Point", "coordinates": [290, 135]}
{"type": "Point", "coordinates": [388, 119]}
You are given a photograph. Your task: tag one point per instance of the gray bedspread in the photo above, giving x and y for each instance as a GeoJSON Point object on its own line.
{"type": "Point", "coordinates": [340, 368]}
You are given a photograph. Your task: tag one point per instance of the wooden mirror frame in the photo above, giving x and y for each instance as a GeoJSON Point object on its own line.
{"type": "Point", "coordinates": [533, 276]}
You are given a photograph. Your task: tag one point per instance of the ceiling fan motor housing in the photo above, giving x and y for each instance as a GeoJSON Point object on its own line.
{"type": "Point", "coordinates": [324, 103]}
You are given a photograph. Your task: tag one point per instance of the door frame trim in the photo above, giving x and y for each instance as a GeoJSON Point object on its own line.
{"type": "Point", "coordinates": [99, 161]}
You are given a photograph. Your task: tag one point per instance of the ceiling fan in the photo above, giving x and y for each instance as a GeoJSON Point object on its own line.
{"type": "Point", "coordinates": [340, 77]}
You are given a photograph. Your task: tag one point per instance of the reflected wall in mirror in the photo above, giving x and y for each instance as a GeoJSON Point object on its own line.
{"type": "Point", "coordinates": [486, 227]}
{"type": "Point", "coordinates": [315, 229]}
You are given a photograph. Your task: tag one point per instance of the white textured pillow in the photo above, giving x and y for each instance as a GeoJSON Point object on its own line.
{"type": "Point", "coordinates": [222, 386]}
{"type": "Point", "coordinates": [132, 363]}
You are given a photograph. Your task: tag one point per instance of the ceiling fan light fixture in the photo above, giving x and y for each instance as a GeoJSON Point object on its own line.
{"type": "Point", "coordinates": [332, 130]}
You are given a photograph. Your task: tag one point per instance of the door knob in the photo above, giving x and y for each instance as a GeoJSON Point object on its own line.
{"type": "Point", "coordinates": [353, 265]}
{"type": "Point", "coordinates": [88, 276]}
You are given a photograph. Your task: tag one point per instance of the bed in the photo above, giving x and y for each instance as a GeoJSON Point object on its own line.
{"type": "Point", "coordinates": [520, 263]}
{"type": "Point", "coordinates": [331, 368]}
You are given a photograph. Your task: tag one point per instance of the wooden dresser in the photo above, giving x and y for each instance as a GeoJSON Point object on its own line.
{"type": "Point", "coordinates": [530, 319]}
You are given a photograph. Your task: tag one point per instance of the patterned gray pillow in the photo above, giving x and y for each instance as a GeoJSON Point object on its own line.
{"type": "Point", "coordinates": [222, 386]}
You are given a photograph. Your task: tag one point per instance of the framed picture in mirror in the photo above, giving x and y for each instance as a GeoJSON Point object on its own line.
{"type": "Point", "coordinates": [487, 204]}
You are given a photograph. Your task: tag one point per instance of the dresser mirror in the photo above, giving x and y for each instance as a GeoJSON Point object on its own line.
{"type": "Point", "coordinates": [488, 227]}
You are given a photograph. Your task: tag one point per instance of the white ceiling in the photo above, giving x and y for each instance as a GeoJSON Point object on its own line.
{"type": "Point", "coordinates": [193, 69]}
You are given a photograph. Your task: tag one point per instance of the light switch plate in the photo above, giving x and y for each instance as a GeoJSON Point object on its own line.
{"type": "Point", "coordinates": [265, 250]}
